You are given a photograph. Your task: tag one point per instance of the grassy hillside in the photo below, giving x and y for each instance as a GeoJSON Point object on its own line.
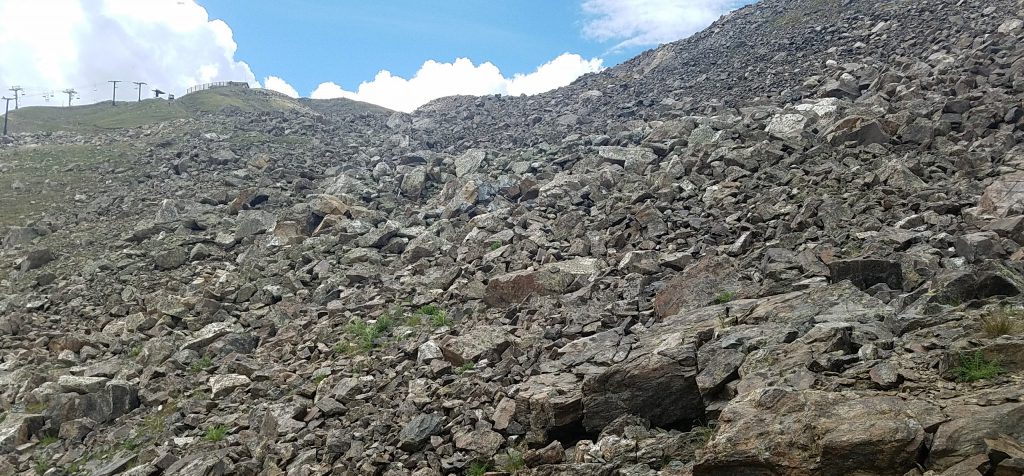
{"type": "Point", "coordinates": [343, 106]}
{"type": "Point", "coordinates": [104, 116]}
{"type": "Point", "coordinates": [37, 178]}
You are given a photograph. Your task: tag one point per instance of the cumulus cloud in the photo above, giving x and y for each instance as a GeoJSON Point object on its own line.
{"type": "Point", "coordinates": [275, 83]}
{"type": "Point", "coordinates": [636, 23]}
{"type": "Point", "coordinates": [435, 80]}
{"type": "Point", "coordinates": [51, 45]}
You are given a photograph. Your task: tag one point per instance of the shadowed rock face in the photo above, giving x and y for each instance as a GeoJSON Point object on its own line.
{"type": "Point", "coordinates": [788, 245]}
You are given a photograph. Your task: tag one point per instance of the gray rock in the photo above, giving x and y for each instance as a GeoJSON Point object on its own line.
{"type": "Point", "coordinates": [415, 434]}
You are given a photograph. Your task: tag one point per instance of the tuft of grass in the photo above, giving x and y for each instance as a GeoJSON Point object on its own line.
{"type": "Point", "coordinates": [414, 320]}
{"type": "Point", "coordinates": [496, 244]}
{"type": "Point", "coordinates": [1004, 321]}
{"type": "Point", "coordinates": [48, 440]}
{"type": "Point", "coordinates": [702, 434]}
{"type": "Point", "coordinates": [516, 462]}
{"type": "Point", "coordinates": [319, 378]}
{"type": "Point", "coordinates": [40, 465]}
{"type": "Point", "coordinates": [438, 318]}
{"type": "Point", "coordinates": [215, 433]}
{"type": "Point", "coordinates": [135, 351]}
{"type": "Point", "coordinates": [465, 368]}
{"type": "Point", "coordinates": [478, 468]}
{"type": "Point", "coordinates": [975, 366]}
{"type": "Point", "coordinates": [364, 335]}
{"type": "Point", "coordinates": [201, 364]}
{"type": "Point", "coordinates": [724, 297]}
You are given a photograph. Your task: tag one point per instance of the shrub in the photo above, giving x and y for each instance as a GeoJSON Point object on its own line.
{"type": "Point", "coordinates": [215, 433]}
{"type": "Point", "coordinates": [975, 367]}
{"type": "Point", "coordinates": [1001, 322]}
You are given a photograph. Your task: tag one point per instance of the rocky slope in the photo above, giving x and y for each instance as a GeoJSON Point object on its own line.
{"type": "Point", "coordinates": [788, 245]}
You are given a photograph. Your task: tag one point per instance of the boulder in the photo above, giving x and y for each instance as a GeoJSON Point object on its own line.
{"type": "Point", "coordinates": [18, 428]}
{"type": "Point", "coordinates": [254, 222]}
{"type": "Point", "coordinates": [484, 342]}
{"type": "Point", "coordinates": [469, 162]}
{"type": "Point", "coordinates": [170, 257]}
{"type": "Point", "coordinates": [779, 431]}
{"type": "Point", "coordinates": [968, 426]}
{"type": "Point", "coordinates": [222, 385]}
{"type": "Point", "coordinates": [865, 273]}
{"type": "Point", "coordinates": [657, 383]}
{"type": "Point", "coordinates": [697, 286]}
{"type": "Point", "coordinates": [36, 258]}
{"type": "Point", "coordinates": [1004, 196]}
{"type": "Point", "coordinates": [415, 434]}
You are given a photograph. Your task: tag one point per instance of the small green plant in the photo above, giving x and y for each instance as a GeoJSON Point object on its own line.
{"type": "Point", "coordinates": [976, 367]}
{"type": "Point", "coordinates": [438, 318]}
{"type": "Point", "coordinates": [478, 468]}
{"type": "Point", "coordinates": [496, 244]}
{"type": "Point", "coordinates": [40, 465]}
{"type": "Point", "coordinates": [319, 378]}
{"type": "Point", "coordinates": [516, 462]}
{"type": "Point", "coordinates": [215, 433]}
{"type": "Point", "coordinates": [465, 368]}
{"type": "Point", "coordinates": [367, 335]}
{"type": "Point", "coordinates": [702, 434]}
{"type": "Point", "coordinates": [135, 351]}
{"type": "Point", "coordinates": [414, 320]}
{"type": "Point", "coordinates": [724, 297]}
{"type": "Point", "coordinates": [48, 440]}
{"type": "Point", "coordinates": [201, 364]}
{"type": "Point", "coordinates": [1001, 322]}
{"type": "Point", "coordinates": [343, 348]}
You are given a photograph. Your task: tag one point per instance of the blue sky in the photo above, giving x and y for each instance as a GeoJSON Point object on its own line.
{"type": "Point", "coordinates": [348, 42]}
{"type": "Point", "coordinates": [396, 53]}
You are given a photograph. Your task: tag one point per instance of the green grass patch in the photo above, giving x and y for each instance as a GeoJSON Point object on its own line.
{"type": "Point", "coordinates": [975, 366]}
{"type": "Point", "coordinates": [48, 440]}
{"type": "Point", "coordinates": [39, 179]}
{"type": "Point", "coordinates": [724, 297]}
{"type": "Point", "coordinates": [514, 463]}
{"type": "Point", "coordinates": [364, 336]}
{"type": "Point", "coordinates": [478, 468]}
{"type": "Point", "coordinates": [437, 316]}
{"type": "Point", "coordinates": [466, 367]}
{"type": "Point", "coordinates": [496, 244]}
{"type": "Point", "coordinates": [215, 433]}
{"type": "Point", "coordinates": [201, 364]}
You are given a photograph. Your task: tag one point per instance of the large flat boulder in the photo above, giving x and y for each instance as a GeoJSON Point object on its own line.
{"type": "Point", "coordinates": [780, 431]}
{"type": "Point", "coordinates": [658, 383]}
{"type": "Point", "coordinates": [697, 286]}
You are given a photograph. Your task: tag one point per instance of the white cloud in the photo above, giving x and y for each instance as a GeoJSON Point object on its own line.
{"type": "Point", "coordinates": [51, 45]}
{"type": "Point", "coordinates": [649, 22]}
{"type": "Point", "coordinates": [435, 80]}
{"type": "Point", "coordinates": [275, 83]}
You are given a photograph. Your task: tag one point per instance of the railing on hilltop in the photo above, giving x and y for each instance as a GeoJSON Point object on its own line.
{"type": "Point", "coordinates": [219, 84]}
